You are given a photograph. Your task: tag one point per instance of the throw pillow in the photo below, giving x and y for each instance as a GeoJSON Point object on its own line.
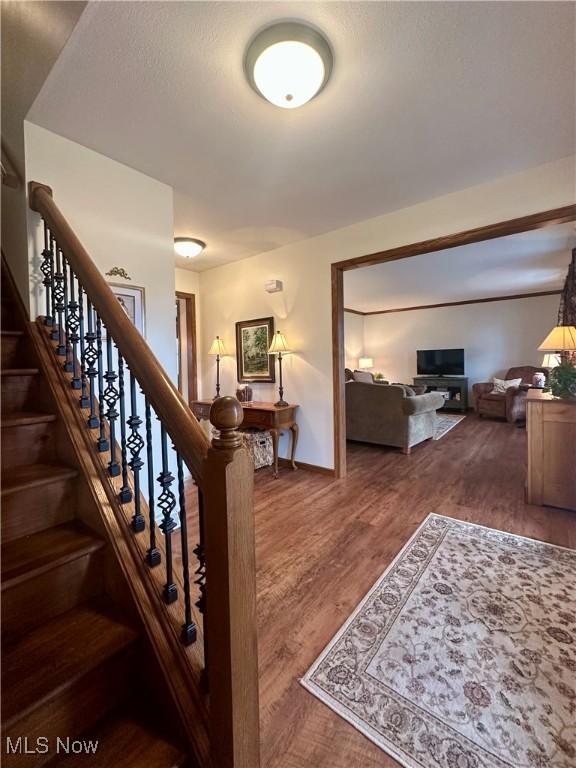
{"type": "Point", "coordinates": [501, 385]}
{"type": "Point", "coordinates": [364, 376]}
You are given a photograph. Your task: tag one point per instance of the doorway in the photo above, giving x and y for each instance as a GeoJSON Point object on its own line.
{"type": "Point", "coordinates": [500, 229]}
{"type": "Point", "coordinates": [186, 346]}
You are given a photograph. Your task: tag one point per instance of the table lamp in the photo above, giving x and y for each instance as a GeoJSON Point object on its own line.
{"type": "Point", "coordinates": [219, 350]}
{"type": "Point", "coordinates": [365, 363]}
{"type": "Point", "coordinates": [561, 339]}
{"type": "Point", "coordinates": [279, 347]}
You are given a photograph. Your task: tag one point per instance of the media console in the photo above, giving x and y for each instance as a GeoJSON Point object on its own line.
{"type": "Point", "coordinates": [456, 388]}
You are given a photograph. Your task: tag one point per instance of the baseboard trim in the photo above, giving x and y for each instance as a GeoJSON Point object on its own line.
{"type": "Point", "coordinates": [308, 467]}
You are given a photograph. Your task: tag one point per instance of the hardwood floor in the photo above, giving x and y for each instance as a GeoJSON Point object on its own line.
{"type": "Point", "coordinates": [322, 543]}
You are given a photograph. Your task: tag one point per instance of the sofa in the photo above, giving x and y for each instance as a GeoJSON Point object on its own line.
{"type": "Point", "coordinates": [389, 414]}
{"type": "Point", "coordinates": [510, 406]}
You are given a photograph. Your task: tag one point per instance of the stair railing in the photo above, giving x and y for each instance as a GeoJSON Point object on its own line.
{"type": "Point", "coordinates": [110, 366]}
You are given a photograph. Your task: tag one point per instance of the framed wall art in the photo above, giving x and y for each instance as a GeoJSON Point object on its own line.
{"type": "Point", "coordinates": [253, 337]}
{"type": "Point", "coordinates": [131, 299]}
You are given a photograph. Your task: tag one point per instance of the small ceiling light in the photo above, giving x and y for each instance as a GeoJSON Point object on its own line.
{"type": "Point", "coordinates": [288, 64]}
{"type": "Point", "coordinates": [188, 246]}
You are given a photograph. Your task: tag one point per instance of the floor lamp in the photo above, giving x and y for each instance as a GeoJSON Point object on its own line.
{"type": "Point", "coordinates": [219, 350]}
{"type": "Point", "coordinates": [279, 347]}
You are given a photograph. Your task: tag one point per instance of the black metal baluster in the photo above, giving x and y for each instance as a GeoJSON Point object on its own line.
{"type": "Point", "coordinates": [68, 364]}
{"type": "Point", "coordinates": [83, 400]}
{"type": "Point", "coordinates": [55, 332]}
{"type": "Point", "coordinates": [200, 580]}
{"type": "Point", "coordinates": [72, 327]}
{"type": "Point", "coordinates": [200, 571]}
{"type": "Point", "coordinates": [102, 443]}
{"type": "Point", "coordinates": [125, 494]}
{"type": "Point", "coordinates": [188, 628]}
{"type": "Point", "coordinates": [167, 502]}
{"type": "Point", "coordinates": [91, 357]}
{"type": "Point", "coordinates": [154, 557]}
{"type": "Point", "coordinates": [111, 398]}
{"type": "Point", "coordinates": [58, 297]}
{"type": "Point", "coordinates": [135, 444]}
{"type": "Point", "coordinates": [47, 270]}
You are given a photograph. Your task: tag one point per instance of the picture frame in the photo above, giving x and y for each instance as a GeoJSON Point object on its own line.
{"type": "Point", "coordinates": [253, 338]}
{"type": "Point", "coordinates": [132, 299]}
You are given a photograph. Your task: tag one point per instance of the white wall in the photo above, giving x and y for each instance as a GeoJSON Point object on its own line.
{"type": "Point", "coordinates": [353, 339]}
{"type": "Point", "coordinates": [188, 281]}
{"type": "Point", "coordinates": [303, 311]}
{"type": "Point", "coordinates": [495, 336]}
{"type": "Point", "coordinates": [123, 218]}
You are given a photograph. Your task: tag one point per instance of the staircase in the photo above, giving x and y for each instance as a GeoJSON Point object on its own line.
{"type": "Point", "coordinates": [73, 654]}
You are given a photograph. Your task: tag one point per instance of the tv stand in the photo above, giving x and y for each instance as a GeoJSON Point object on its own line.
{"type": "Point", "coordinates": [455, 386]}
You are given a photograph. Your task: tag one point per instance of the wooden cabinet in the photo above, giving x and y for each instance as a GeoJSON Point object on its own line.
{"type": "Point", "coordinates": [551, 425]}
{"type": "Point", "coordinates": [456, 388]}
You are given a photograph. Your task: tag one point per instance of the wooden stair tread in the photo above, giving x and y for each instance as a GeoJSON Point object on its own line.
{"type": "Point", "coordinates": [57, 654]}
{"type": "Point", "coordinates": [31, 555]}
{"type": "Point", "coordinates": [30, 475]}
{"type": "Point", "coordinates": [19, 371]}
{"type": "Point", "coordinates": [23, 418]}
{"type": "Point", "coordinates": [125, 740]}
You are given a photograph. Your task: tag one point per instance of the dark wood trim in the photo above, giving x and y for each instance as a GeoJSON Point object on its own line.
{"type": "Point", "coordinates": [355, 311]}
{"type": "Point", "coordinates": [338, 362]}
{"type": "Point", "coordinates": [191, 346]}
{"type": "Point", "coordinates": [282, 462]}
{"type": "Point", "coordinates": [534, 295]}
{"type": "Point", "coordinates": [479, 234]}
{"type": "Point", "coordinates": [489, 232]}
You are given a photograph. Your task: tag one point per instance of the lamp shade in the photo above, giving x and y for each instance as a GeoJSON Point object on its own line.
{"type": "Point", "coordinates": [365, 362]}
{"type": "Point", "coordinates": [279, 345]}
{"type": "Point", "coordinates": [560, 339]}
{"type": "Point", "coordinates": [217, 347]}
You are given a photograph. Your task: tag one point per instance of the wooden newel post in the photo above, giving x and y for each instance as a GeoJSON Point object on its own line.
{"type": "Point", "coordinates": [232, 666]}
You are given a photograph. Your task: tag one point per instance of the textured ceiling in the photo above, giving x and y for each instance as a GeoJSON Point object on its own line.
{"type": "Point", "coordinates": [425, 99]}
{"type": "Point", "coordinates": [33, 35]}
{"type": "Point", "coordinates": [525, 263]}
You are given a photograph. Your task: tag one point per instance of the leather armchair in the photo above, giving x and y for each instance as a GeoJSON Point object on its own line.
{"type": "Point", "coordinates": [510, 406]}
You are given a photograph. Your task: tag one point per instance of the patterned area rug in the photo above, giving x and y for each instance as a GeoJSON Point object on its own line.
{"type": "Point", "coordinates": [445, 422]}
{"type": "Point", "coordinates": [463, 655]}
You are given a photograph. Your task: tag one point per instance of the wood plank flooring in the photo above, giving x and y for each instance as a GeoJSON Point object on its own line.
{"type": "Point", "coordinates": [322, 543]}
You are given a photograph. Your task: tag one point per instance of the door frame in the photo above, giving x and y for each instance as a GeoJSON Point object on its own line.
{"type": "Point", "coordinates": [489, 232]}
{"type": "Point", "coordinates": [191, 358]}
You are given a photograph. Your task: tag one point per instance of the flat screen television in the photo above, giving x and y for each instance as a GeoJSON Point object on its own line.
{"type": "Point", "coordinates": [440, 362]}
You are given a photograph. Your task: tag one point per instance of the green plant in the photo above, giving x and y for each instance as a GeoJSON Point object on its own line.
{"type": "Point", "coordinates": [563, 380]}
{"type": "Point", "coordinates": [378, 376]}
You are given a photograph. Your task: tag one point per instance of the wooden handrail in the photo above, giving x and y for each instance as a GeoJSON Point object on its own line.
{"type": "Point", "coordinates": [179, 421]}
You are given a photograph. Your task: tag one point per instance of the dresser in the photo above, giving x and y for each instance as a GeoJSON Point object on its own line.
{"type": "Point", "coordinates": [551, 425]}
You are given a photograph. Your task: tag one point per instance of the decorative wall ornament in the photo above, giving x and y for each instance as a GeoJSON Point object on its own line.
{"type": "Point", "coordinates": [118, 272]}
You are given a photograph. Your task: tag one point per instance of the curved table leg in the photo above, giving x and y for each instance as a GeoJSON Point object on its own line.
{"type": "Point", "coordinates": [275, 437]}
{"type": "Point", "coordinates": [294, 430]}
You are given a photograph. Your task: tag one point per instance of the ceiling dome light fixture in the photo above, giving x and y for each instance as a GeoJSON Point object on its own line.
{"type": "Point", "coordinates": [288, 64]}
{"type": "Point", "coordinates": [188, 246]}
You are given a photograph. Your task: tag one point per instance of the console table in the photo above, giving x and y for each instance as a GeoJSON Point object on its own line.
{"type": "Point", "coordinates": [456, 386]}
{"type": "Point", "coordinates": [551, 424]}
{"type": "Point", "coordinates": [261, 416]}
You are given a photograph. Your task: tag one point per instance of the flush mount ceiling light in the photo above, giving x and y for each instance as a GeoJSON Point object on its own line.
{"type": "Point", "coordinates": [288, 64]}
{"type": "Point", "coordinates": [188, 246]}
